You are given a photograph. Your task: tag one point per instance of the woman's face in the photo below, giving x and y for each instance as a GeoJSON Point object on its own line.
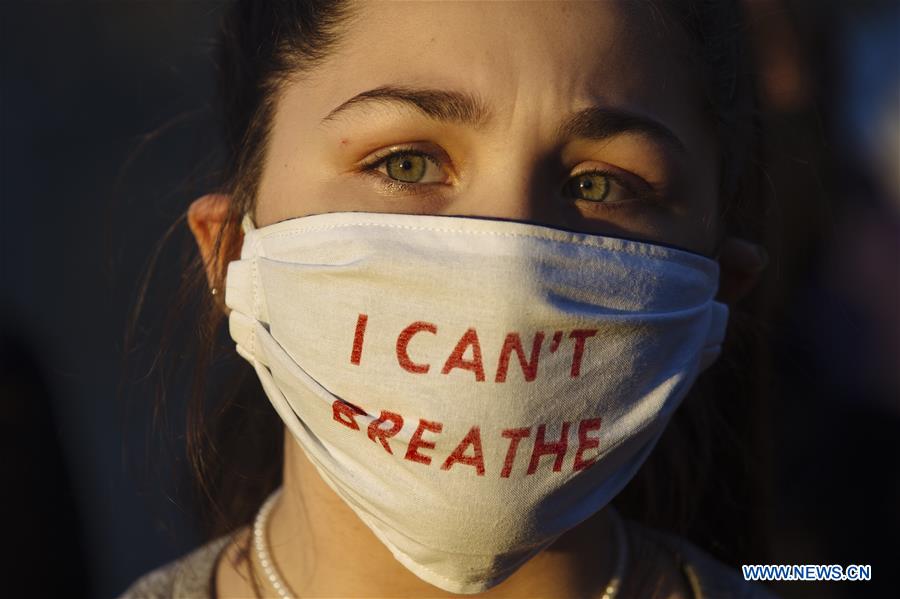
{"type": "Point", "coordinates": [580, 115]}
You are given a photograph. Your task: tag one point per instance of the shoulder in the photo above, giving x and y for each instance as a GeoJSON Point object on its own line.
{"type": "Point", "coordinates": [707, 576]}
{"type": "Point", "coordinates": [188, 576]}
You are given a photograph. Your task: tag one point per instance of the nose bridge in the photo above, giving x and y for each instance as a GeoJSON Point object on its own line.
{"type": "Point", "coordinates": [514, 182]}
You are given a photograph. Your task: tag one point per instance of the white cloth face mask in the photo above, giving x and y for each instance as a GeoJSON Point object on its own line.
{"type": "Point", "coordinates": [471, 388]}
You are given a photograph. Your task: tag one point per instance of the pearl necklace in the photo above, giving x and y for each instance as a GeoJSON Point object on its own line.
{"type": "Point", "coordinates": [615, 581]}
{"type": "Point", "coordinates": [262, 551]}
{"type": "Point", "coordinates": [262, 547]}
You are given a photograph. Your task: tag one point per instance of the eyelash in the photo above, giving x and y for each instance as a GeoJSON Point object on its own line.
{"type": "Point", "coordinates": [370, 168]}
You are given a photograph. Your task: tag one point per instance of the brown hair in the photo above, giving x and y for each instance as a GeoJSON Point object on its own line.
{"type": "Point", "coordinates": [697, 482]}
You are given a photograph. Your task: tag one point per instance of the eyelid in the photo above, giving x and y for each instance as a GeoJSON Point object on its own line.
{"type": "Point", "coordinates": [628, 180]}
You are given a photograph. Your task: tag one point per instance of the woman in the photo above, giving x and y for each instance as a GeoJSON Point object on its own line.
{"type": "Point", "coordinates": [476, 254]}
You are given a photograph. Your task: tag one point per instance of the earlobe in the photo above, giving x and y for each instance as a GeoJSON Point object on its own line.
{"type": "Point", "coordinates": [741, 264]}
{"type": "Point", "coordinates": [206, 218]}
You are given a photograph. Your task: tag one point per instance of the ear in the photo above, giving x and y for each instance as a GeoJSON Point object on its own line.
{"type": "Point", "coordinates": [741, 264]}
{"type": "Point", "coordinates": [206, 218]}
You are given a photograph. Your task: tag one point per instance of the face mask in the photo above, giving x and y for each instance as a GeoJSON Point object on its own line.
{"type": "Point", "coordinates": [471, 388]}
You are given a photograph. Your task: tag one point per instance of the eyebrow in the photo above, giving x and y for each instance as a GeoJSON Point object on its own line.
{"type": "Point", "coordinates": [596, 123]}
{"type": "Point", "coordinates": [442, 105]}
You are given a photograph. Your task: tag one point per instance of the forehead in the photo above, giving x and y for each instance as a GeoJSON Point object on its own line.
{"type": "Point", "coordinates": [558, 53]}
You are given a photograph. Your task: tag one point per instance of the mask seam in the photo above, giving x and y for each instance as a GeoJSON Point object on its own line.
{"type": "Point", "coordinates": [258, 252]}
{"type": "Point", "coordinates": [628, 246]}
{"type": "Point", "coordinates": [581, 319]}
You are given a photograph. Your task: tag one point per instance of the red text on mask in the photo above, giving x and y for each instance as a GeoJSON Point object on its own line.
{"type": "Point", "coordinates": [527, 355]}
{"type": "Point", "coordinates": [528, 449]}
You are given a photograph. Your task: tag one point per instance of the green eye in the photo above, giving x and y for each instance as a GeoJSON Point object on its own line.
{"type": "Point", "coordinates": [590, 186]}
{"type": "Point", "coordinates": [405, 167]}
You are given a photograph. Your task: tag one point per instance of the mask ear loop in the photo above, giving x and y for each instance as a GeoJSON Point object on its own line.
{"type": "Point", "coordinates": [246, 226]}
{"type": "Point", "coordinates": [247, 223]}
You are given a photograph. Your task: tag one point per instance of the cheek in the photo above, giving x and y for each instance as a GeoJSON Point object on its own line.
{"type": "Point", "coordinates": [313, 189]}
{"type": "Point", "coordinates": [296, 182]}
{"type": "Point", "coordinates": [699, 186]}
{"type": "Point", "coordinates": [692, 223]}
{"type": "Point", "coordinates": [700, 216]}
{"type": "Point", "coordinates": [688, 189]}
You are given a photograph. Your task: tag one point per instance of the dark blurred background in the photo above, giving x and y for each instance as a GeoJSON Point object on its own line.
{"type": "Point", "coordinates": [107, 132]}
